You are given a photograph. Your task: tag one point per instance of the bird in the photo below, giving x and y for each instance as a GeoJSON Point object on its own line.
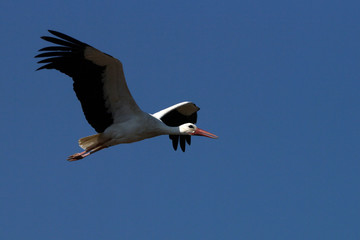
{"type": "Point", "coordinates": [100, 86]}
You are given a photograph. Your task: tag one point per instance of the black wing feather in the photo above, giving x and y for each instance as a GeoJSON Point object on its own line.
{"type": "Point", "coordinates": [188, 140]}
{"type": "Point", "coordinates": [68, 57]}
{"type": "Point", "coordinates": [52, 54]}
{"type": "Point", "coordinates": [66, 37]}
{"type": "Point", "coordinates": [175, 141]}
{"type": "Point", "coordinates": [55, 48]}
{"type": "Point", "coordinates": [182, 143]}
{"type": "Point", "coordinates": [59, 41]}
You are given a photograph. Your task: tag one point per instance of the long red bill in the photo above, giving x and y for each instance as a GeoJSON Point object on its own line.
{"type": "Point", "coordinates": [204, 133]}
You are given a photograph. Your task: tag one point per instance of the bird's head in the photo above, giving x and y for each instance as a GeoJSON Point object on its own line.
{"type": "Point", "coordinates": [192, 129]}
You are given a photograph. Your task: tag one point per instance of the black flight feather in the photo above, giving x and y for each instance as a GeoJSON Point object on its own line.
{"type": "Point", "coordinates": [68, 57]}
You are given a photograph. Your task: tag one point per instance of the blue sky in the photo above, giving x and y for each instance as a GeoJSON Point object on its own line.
{"type": "Point", "coordinates": [278, 81]}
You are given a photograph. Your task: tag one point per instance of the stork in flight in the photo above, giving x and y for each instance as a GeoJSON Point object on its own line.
{"type": "Point", "coordinates": [100, 86]}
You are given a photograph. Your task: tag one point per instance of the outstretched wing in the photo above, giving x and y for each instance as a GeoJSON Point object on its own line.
{"type": "Point", "coordinates": [99, 81]}
{"type": "Point", "coordinates": [176, 115]}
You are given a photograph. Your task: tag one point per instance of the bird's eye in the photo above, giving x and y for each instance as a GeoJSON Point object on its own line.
{"type": "Point", "coordinates": [191, 126]}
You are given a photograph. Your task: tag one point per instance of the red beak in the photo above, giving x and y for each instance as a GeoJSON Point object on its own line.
{"type": "Point", "coordinates": [204, 133]}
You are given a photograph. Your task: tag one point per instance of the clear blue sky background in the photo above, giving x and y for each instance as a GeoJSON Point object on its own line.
{"type": "Point", "coordinates": [278, 81]}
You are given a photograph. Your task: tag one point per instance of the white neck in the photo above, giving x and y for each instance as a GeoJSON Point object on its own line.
{"type": "Point", "coordinates": [170, 130]}
{"type": "Point", "coordinates": [162, 128]}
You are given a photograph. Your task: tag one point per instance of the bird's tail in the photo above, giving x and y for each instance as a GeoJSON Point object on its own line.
{"type": "Point", "coordinates": [89, 142]}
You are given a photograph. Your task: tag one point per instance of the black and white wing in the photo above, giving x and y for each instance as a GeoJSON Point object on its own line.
{"type": "Point", "coordinates": [99, 81]}
{"type": "Point", "coordinates": [176, 115]}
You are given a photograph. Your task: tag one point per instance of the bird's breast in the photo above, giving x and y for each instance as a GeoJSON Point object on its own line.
{"type": "Point", "coordinates": [132, 131]}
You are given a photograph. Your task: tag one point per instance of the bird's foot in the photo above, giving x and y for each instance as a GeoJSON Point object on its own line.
{"type": "Point", "coordinates": [77, 156]}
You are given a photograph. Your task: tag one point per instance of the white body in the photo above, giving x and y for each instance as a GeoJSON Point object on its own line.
{"type": "Point", "coordinates": [139, 127]}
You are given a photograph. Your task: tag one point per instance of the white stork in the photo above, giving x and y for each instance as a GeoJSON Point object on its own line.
{"type": "Point", "coordinates": [100, 86]}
